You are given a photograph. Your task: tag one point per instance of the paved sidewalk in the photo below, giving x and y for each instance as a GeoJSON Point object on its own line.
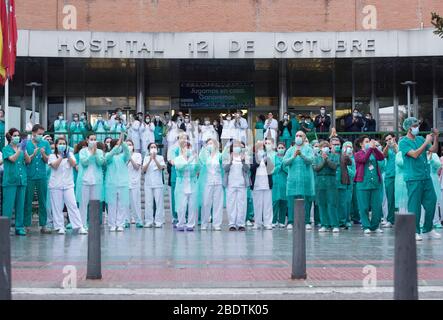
{"type": "Point", "coordinates": [165, 258]}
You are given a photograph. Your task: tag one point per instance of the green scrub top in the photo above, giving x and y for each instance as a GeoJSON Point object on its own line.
{"type": "Point", "coordinates": [414, 169]}
{"type": "Point", "coordinates": [286, 135]}
{"type": "Point", "coordinates": [279, 179]}
{"type": "Point", "coordinates": [295, 126]}
{"type": "Point", "coordinates": [390, 164]}
{"type": "Point", "coordinates": [14, 173]}
{"type": "Point", "coordinates": [301, 181]}
{"type": "Point", "coordinates": [37, 167]}
{"type": "Point", "coordinates": [2, 134]}
{"type": "Point", "coordinates": [326, 177]}
{"type": "Point", "coordinates": [370, 180]}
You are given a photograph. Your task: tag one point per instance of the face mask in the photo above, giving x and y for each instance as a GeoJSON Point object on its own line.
{"type": "Point", "coordinates": [189, 153]}
{"type": "Point", "coordinates": [157, 118]}
{"type": "Point", "coordinates": [82, 117]}
{"type": "Point", "coordinates": [367, 145]}
{"type": "Point", "coordinates": [210, 148]}
{"type": "Point", "coordinates": [38, 138]}
{"type": "Point", "coordinates": [322, 112]}
{"type": "Point", "coordinates": [131, 148]}
{"type": "Point", "coordinates": [268, 147]}
{"type": "Point", "coordinates": [60, 117]}
{"type": "Point", "coordinates": [415, 131]}
{"type": "Point", "coordinates": [109, 146]}
{"type": "Point", "coordinates": [380, 148]}
{"type": "Point", "coordinates": [167, 116]}
{"type": "Point", "coordinates": [355, 114]}
{"type": "Point", "coordinates": [99, 118]}
{"type": "Point", "coordinates": [298, 141]}
{"type": "Point", "coordinates": [16, 140]}
{"type": "Point", "coordinates": [337, 148]}
{"type": "Point", "coordinates": [153, 150]}
{"type": "Point", "coordinates": [325, 150]}
{"type": "Point", "coordinates": [228, 118]}
{"type": "Point", "coordinates": [207, 123]}
{"type": "Point", "coordinates": [281, 151]}
{"type": "Point", "coordinates": [316, 149]}
{"type": "Point", "coordinates": [260, 154]}
{"type": "Point", "coordinates": [197, 122]}
{"type": "Point", "coordinates": [61, 148]}
{"type": "Point", "coordinates": [215, 124]}
{"type": "Point", "coordinates": [148, 120]}
{"type": "Point", "coordinates": [349, 151]}
{"type": "Point", "coordinates": [120, 113]}
{"type": "Point", "coordinates": [75, 119]}
{"type": "Point", "coordinates": [237, 150]}
{"type": "Point", "coordinates": [285, 117]}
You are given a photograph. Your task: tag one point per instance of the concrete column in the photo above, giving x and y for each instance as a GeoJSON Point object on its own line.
{"type": "Point", "coordinates": [44, 104]}
{"type": "Point", "coordinates": [434, 96]}
{"type": "Point", "coordinates": [140, 71]}
{"type": "Point", "coordinates": [282, 88]}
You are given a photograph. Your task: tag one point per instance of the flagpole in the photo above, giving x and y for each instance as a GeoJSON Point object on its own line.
{"type": "Point", "coordinates": [6, 108]}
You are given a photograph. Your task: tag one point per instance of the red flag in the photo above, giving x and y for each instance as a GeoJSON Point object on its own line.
{"type": "Point", "coordinates": [12, 38]}
{"type": "Point", "coordinates": [5, 33]}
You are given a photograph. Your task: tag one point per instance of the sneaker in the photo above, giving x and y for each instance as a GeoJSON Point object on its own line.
{"type": "Point", "coordinates": [255, 227]}
{"type": "Point", "coordinates": [45, 230]}
{"type": "Point", "coordinates": [120, 229]}
{"type": "Point", "coordinates": [433, 235]}
{"type": "Point", "coordinates": [289, 227]}
{"type": "Point", "coordinates": [268, 227]}
{"type": "Point", "coordinates": [127, 225]}
{"type": "Point", "coordinates": [387, 225]}
{"type": "Point", "coordinates": [61, 231]}
{"type": "Point", "coordinates": [438, 226]}
{"type": "Point", "coordinates": [158, 225]}
{"type": "Point", "coordinates": [308, 227]}
{"type": "Point", "coordinates": [216, 228]}
{"type": "Point", "coordinates": [82, 230]}
{"type": "Point", "coordinates": [379, 230]}
{"type": "Point", "coordinates": [241, 229]}
{"type": "Point", "coordinates": [132, 221]}
{"type": "Point", "coordinates": [234, 229]}
{"type": "Point", "coordinates": [148, 225]}
{"type": "Point", "coordinates": [322, 229]}
{"type": "Point", "coordinates": [335, 230]}
{"type": "Point", "coordinates": [68, 226]}
{"type": "Point", "coordinates": [348, 225]}
{"type": "Point", "coordinates": [383, 222]}
{"type": "Point", "coordinates": [139, 225]}
{"type": "Point", "coordinates": [249, 223]}
{"type": "Point", "coordinates": [281, 225]}
{"type": "Point", "coordinates": [318, 225]}
{"type": "Point", "coordinates": [190, 229]}
{"type": "Point", "coordinates": [113, 229]}
{"type": "Point", "coordinates": [274, 225]}
{"type": "Point", "coordinates": [418, 237]}
{"type": "Point", "coordinates": [20, 232]}
{"type": "Point", "coordinates": [203, 227]}
{"type": "Point", "coordinates": [180, 228]}
{"type": "Point", "coordinates": [367, 231]}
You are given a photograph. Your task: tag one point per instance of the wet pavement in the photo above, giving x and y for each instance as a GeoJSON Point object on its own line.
{"type": "Point", "coordinates": [165, 258]}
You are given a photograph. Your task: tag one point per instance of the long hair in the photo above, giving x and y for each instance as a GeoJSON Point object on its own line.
{"type": "Point", "coordinates": [56, 143]}
{"type": "Point", "coordinates": [10, 133]}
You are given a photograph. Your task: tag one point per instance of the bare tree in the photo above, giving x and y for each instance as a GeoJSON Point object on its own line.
{"type": "Point", "coordinates": [437, 22]}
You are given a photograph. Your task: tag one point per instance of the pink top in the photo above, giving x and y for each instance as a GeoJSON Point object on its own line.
{"type": "Point", "coordinates": [361, 158]}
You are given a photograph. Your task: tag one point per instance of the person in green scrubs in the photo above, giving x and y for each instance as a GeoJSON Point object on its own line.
{"type": "Point", "coordinates": [60, 126]}
{"type": "Point", "coordinates": [15, 180]}
{"type": "Point", "coordinates": [38, 150]}
{"type": "Point", "coordinates": [417, 176]}
{"type": "Point", "coordinates": [325, 166]}
{"type": "Point", "coordinates": [345, 177]}
{"type": "Point", "coordinates": [300, 184]}
{"type": "Point", "coordinates": [259, 127]}
{"type": "Point", "coordinates": [285, 128]}
{"type": "Point", "coordinates": [2, 128]}
{"type": "Point", "coordinates": [368, 183]}
{"type": "Point", "coordinates": [76, 130]}
{"type": "Point", "coordinates": [279, 181]}
{"type": "Point", "coordinates": [309, 201]}
{"type": "Point", "coordinates": [390, 151]}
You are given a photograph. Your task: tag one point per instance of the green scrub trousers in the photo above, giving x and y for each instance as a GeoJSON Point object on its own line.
{"type": "Point", "coordinates": [421, 193]}
{"type": "Point", "coordinates": [369, 198]}
{"type": "Point", "coordinates": [14, 198]}
{"type": "Point", "coordinates": [390, 195]}
{"type": "Point", "coordinates": [42, 189]}
{"type": "Point", "coordinates": [280, 209]}
{"type": "Point", "coordinates": [344, 204]}
{"type": "Point", "coordinates": [308, 205]}
{"type": "Point", "coordinates": [326, 199]}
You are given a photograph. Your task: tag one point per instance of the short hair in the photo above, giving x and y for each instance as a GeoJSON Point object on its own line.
{"type": "Point", "coordinates": [37, 127]}
{"type": "Point", "coordinates": [10, 133]}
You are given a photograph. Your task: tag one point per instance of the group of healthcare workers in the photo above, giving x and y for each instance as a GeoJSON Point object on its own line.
{"type": "Point", "coordinates": [338, 181]}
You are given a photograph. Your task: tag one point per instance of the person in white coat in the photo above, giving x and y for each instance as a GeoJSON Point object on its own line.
{"type": "Point", "coordinates": [241, 127]}
{"type": "Point", "coordinates": [134, 169]}
{"type": "Point", "coordinates": [146, 134]}
{"type": "Point", "coordinates": [208, 131]}
{"type": "Point", "coordinates": [153, 166]}
{"type": "Point", "coordinates": [271, 127]}
{"type": "Point", "coordinates": [228, 129]}
{"type": "Point", "coordinates": [61, 188]}
{"type": "Point", "coordinates": [171, 132]}
{"type": "Point", "coordinates": [135, 133]}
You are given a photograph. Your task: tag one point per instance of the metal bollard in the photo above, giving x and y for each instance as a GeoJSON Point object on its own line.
{"type": "Point", "coordinates": [94, 270]}
{"type": "Point", "coordinates": [299, 241]}
{"type": "Point", "coordinates": [5, 259]}
{"type": "Point", "coordinates": [405, 260]}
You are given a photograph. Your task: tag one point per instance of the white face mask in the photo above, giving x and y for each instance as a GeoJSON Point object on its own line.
{"type": "Point", "coordinates": [153, 150]}
{"type": "Point", "coordinates": [131, 148]}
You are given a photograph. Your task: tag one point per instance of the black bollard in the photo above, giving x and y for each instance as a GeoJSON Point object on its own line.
{"type": "Point", "coordinates": [405, 260]}
{"type": "Point", "coordinates": [299, 241]}
{"type": "Point", "coordinates": [5, 259]}
{"type": "Point", "coordinates": [94, 270]}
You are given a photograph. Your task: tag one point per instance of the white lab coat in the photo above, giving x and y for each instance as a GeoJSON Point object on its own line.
{"type": "Point", "coordinates": [146, 135]}
{"type": "Point", "coordinates": [135, 135]}
{"type": "Point", "coordinates": [241, 128]}
{"type": "Point", "coordinates": [272, 128]}
{"type": "Point", "coordinates": [154, 191]}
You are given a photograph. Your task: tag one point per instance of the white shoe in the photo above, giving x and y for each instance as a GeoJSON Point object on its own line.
{"type": "Point", "coordinates": [158, 225]}
{"type": "Point", "coordinates": [281, 225]}
{"type": "Point", "coordinates": [308, 227]}
{"type": "Point", "coordinates": [367, 231]}
{"type": "Point", "coordinates": [119, 229]}
{"type": "Point", "coordinates": [418, 237]}
{"type": "Point", "coordinates": [335, 230]}
{"type": "Point", "coordinates": [113, 229]}
{"type": "Point", "coordinates": [61, 231]}
{"type": "Point", "coordinates": [379, 230]}
{"type": "Point", "coordinates": [433, 235]}
{"type": "Point", "coordinates": [249, 223]}
{"type": "Point", "coordinates": [82, 230]}
{"type": "Point", "coordinates": [216, 228]}
{"type": "Point", "coordinates": [322, 229]}
{"type": "Point", "coordinates": [275, 225]}
{"type": "Point", "coordinates": [148, 225]}
{"type": "Point", "coordinates": [132, 221]}
{"type": "Point", "coordinates": [255, 227]}
{"type": "Point", "coordinates": [203, 228]}
{"type": "Point", "coordinates": [289, 227]}
{"type": "Point", "coordinates": [268, 227]}
{"type": "Point", "coordinates": [387, 225]}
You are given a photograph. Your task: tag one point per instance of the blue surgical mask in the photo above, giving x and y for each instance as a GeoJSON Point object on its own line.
{"type": "Point", "coordinates": [316, 149]}
{"type": "Point", "coordinates": [298, 141]}
{"type": "Point", "coordinates": [61, 148]}
{"type": "Point", "coordinates": [38, 138]}
{"type": "Point", "coordinates": [15, 140]}
{"type": "Point", "coordinates": [415, 131]}
{"type": "Point", "coordinates": [189, 153]}
{"type": "Point", "coordinates": [281, 151]}
{"type": "Point", "coordinates": [260, 153]}
{"type": "Point", "coordinates": [237, 150]}
{"type": "Point", "coordinates": [337, 148]}
{"type": "Point", "coordinates": [325, 149]}
{"type": "Point", "coordinates": [210, 148]}
{"type": "Point", "coordinates": [380, 148]}
{"type": "Point", "coordinates": [367, 146]}
{"type": "Point", "coordinates": [349, 151]}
